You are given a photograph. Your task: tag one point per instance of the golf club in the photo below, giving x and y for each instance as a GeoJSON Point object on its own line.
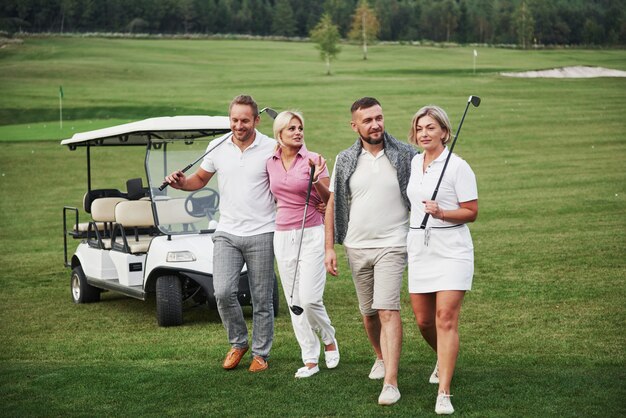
{"type": "Point", "coordinates": [270, 112]}
{"type": "Point", "coordinates": [475, 101]}
{"type": "Point", "coordinates": [295, 308]}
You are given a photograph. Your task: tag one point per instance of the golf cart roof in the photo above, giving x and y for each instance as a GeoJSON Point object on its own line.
{"type": "Point", "coordinates": [153, 129]}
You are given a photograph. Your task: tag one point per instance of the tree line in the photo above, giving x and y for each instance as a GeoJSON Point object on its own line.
{"type": "Point", "coordinates": [521, 22]}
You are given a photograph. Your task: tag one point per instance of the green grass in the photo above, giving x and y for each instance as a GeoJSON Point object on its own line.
{"type": "Point", "coordinates": [541, 333]}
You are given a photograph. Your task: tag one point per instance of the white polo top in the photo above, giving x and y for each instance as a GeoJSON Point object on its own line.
{"type": "Point", "coordinates": [246, 203]}
{"type": "Point", "coordinates": [458, 185]}
{"type": "Point", "coordinates": [378, 216]}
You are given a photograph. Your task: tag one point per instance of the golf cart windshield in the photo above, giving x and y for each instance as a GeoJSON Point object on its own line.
{"type": "Point", "coordinates": [177, 211]}
{"type": "Point", "coordinates": [172, 143]}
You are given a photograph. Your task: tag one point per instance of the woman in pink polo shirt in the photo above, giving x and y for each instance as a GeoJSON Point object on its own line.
{"type": "Point", "coordinates": [289, 170]}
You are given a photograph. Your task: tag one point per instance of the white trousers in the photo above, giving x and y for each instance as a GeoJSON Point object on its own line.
{"type": "Point", "coordinates": [309, 287]}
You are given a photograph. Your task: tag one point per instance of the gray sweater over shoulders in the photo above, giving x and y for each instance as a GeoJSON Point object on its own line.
{"type": "Point", "coordinates": [399, 154]}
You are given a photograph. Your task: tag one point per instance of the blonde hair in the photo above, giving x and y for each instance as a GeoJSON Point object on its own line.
{"type": "Point", "coordinates": [438, 114]}
{"type": "Point", "coordinates": [282, 121]}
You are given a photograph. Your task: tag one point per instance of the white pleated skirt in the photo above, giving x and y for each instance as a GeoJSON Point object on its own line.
{"type": "Point", "coordinates": [440, 259]}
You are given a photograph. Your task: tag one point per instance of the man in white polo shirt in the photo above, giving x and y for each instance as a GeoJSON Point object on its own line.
{"type": "Point", "coordinates": [368, 212]}
{"type": "Point", "coordinates": [245, 232]}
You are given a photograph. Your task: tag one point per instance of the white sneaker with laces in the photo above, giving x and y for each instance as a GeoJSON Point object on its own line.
{"type": "Point", "coordinates": [378, 370]}
{"type": "Point", "coordinates": [443, 405]}
{"type": "Point", "coordinates": [332, 357]}
{"type": "Point", "coordinates": [303, 372]}
{"type": "Point", "coordinates": [434, 377]}
{"type": "Point", "coordinates": [389, 395]}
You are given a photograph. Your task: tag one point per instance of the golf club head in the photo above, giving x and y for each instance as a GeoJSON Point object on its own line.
{"type": "Point", "coordinates": [270, 112]}
{"type": "Point", "coordinates": [296, 309]}
{"type": "Point", "coordinates": [474, 100]}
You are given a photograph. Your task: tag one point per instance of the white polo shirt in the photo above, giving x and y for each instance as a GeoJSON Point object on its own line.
{"type": "Point", "coordinates": [246, 203]}
{"type": "Point", "coordinates": [458, 185]}
{"type": "Point", "coordinates": [378, 216]}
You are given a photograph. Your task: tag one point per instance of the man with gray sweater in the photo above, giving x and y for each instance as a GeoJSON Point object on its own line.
{"type": "Point", "coordinates": [368, 212]}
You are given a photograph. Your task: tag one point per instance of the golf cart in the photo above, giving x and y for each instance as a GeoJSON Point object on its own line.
{"type": "Point", "coordinates": [149, 240]}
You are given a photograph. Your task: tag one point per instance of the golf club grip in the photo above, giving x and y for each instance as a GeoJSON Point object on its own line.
{"type": "Point", "coordinates": [163, 186]}
{"type": "Point", "coordinates": [184, 170]}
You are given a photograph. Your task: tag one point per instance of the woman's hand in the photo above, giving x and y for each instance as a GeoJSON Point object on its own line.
{"type": "Point", "coordinates": [320, 166]}
{"type": "Point", "coordinates": [432, 207]}
{"type": "Point", "coordinates": [467, 211]}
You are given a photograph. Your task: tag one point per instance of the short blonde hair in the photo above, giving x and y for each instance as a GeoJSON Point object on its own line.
{"type": "Point", "coordinates": [282, 121]}
{"type": "Point", "coordinates": [438, 114]}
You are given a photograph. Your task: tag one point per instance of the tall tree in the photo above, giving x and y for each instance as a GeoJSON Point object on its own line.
{"type": "Point", "coordinates": [438, 20]}
{"type": "Point", "coordinates": [187, 12]}
{"type": "Point", "coordinates": [482, 15]}
{"type": "Point", "coordinates": [261, 15]}
{"type": "Point", "coordinates": [505, 31]}
{"type": "Point", "coordinates": [326, 35]}
{"type": "Point", "coordinates": [525, 25]}
{"type": "Point", "coordinates": [385, 12]}
{"type": "Point", "coordinates": [614, 21]}
{"type": "Point", "coordinates": [224, 15]}
{"type": "Point", "coordinates": [463, 26]}
{"type": "Point", "coordinates": [574, 14]}
{"type": "Point", "coordinates": [340, 12]}
{"type": "Point", "coordinates": [206, 15]}
{"type": "Point", "coordinates": [314, 13]}
{"type": "Point", "coordinates": [284, 23]}
{"type": "Point", "coordinates": [365, 26]}
{"type": "Point", "coordinates": [450, 17]}
{"type": "Point", "coordinates": [407, 20]}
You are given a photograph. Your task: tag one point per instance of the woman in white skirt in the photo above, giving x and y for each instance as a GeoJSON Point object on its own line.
{"type": "Point", "coordinates": [289, 170]}
{"type": "Point", "coordinates": [441, 255]}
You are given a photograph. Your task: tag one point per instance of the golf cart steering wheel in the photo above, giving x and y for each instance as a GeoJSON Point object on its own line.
{"type": "Point", "coordinates": [202, 202]}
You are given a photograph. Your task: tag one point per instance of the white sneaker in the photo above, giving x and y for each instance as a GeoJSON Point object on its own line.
{"type": "Point", "coordinates": [434, 377]}
{"type": "Point", "coordinates": [443, 405]}
{"type": "Point", "coordinates": [389, 395]}
{"type": "Point", "coordinates": [303, 372]}
{"type": "Point", "coordinates": [332, 357]}
{"type": "Point", "coordinates": [378, 370]}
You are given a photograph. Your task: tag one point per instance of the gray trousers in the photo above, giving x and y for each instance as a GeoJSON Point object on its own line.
{"type": "Point", "coordinates": [230, 252]}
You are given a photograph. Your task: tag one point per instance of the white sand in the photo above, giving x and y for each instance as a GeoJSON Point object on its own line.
{"type": "Point", "coordinates": [569, 72]}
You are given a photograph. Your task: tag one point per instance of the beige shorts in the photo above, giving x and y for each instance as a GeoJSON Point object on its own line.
{"type": "Point", "coordinates": [377, 275]}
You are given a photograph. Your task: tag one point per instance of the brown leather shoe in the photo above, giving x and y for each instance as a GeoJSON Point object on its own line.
{"type": "Point", "coordinates": [258, 364]}
{"type": "Point", "coordinates": [233, 357]}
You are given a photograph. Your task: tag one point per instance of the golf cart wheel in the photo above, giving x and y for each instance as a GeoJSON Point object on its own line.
{"type": "Point", "coordinates": [82, 292]}
{"type": "Point", "coordinates": [169, 301]}
{"type": "Point", "coordinates": [276, 296]}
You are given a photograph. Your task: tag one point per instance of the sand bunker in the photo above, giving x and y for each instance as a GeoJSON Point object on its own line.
{"type": "Point", "coordinates": [569, 72]}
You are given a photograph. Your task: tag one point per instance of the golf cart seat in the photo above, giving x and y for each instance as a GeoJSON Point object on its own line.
{"type": "Point", "coordinates": [135, 189]}
{"type": "Point", "coordinates": [135, 215]}
{"type": "Point", "coordinates": [172, 212]}
{"type": "Point", "coordinates": [102, 212]}
{"type": "Point", "coordinates": [94, 194]}
{"type": "Point", "coordinates": [80, 228]}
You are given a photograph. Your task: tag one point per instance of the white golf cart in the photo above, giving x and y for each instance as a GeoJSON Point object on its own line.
{"type": "Point", "coordinates": [144, 240]}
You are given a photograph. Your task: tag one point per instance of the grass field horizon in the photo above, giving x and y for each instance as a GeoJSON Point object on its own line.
{"type": "Point", "coordinates": [541, 331]}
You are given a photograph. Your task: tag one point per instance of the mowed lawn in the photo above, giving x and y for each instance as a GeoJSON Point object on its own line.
{"type": "Point", "coordinates": [542, 332]}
